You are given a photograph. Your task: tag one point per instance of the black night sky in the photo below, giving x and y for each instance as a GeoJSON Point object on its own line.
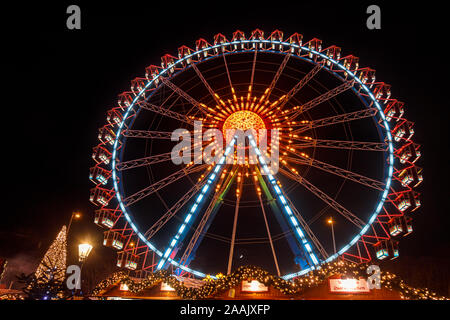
{"type": "Point", "coordinates": [59, 84]}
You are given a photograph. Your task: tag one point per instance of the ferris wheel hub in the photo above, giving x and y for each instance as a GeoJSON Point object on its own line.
{"type": "Point", "coordinates": [243, 120]}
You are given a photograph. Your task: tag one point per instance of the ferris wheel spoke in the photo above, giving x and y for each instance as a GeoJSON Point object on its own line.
{"type": "Point", "coordinates": [252, 77]}
{"type": "Point", "coordinates": [165, 112]}
{"type": "Point", "coordinates": [202, 78]}
{"type": "Point", "coordinates": [346, 174]}
{"type": "Point", "coordinates": [135, 163]}
{"type": "Point", "coordinates": [339, 144]}
{"type": "Point", "coordinates": [300, 84]}
{"type": "Point", "coordinates": [228, 72]}
{"type": "Point", "coordinates": [162, 183]}
{"type": "Point", "coordinates": [172, 211]}
{"type": "Point", "coordinates": [320, 99]}
{"type": "Point", "coordinates": [183, 94]}
{"type": "Point", "coordinates": [340, 118]}
{"type": "Point", "coordinates": [148, 134]}
{"type": "Point", "coordinates": [325, 197]}
{"type": "Point", "coordinates": [277, 75]}
{"type": "Point", "coordinates": [213, 206]}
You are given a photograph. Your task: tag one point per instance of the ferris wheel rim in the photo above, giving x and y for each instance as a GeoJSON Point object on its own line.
{"type": "Point", "coordinates": [387, 133]}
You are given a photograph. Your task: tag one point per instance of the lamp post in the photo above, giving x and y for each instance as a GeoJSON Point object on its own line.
{"type": "Point", "coordinates": [75, 215]}
{"type": "Point", "coordinates": [331, 222]}
{"type": "Point", "coordinates": [84, 249]}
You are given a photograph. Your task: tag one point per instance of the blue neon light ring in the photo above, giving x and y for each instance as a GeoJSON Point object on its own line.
{"type": "Point", "coordinates": [255, 41]}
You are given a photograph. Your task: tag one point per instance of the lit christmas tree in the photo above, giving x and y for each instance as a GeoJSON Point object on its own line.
{"type": "Point", "coordinates": [53, 265]}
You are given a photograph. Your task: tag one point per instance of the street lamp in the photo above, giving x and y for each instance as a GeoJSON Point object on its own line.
{"type": "Point", "coordinates": [75, 215]}
{"type": "Point", "coordinates": [84, 249]}
{"type": "Point", "coordinates": [331, 222]}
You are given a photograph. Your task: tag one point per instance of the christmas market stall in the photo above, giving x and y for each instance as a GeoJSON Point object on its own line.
{"type": "Point", "coordinates": [333, 281]}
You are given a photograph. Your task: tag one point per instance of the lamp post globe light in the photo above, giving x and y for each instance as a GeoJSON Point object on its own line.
{"type": "Point", "coordinates": [84, 249]}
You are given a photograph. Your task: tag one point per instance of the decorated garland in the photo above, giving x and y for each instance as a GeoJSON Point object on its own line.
{"type": "Point", "coordinates": [11, 296]}
{"type": "Point", "coordinates": [312, 279]}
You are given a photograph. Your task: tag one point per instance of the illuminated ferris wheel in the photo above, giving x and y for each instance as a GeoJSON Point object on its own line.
{"type": "Point", "coordinates": [345, 157]}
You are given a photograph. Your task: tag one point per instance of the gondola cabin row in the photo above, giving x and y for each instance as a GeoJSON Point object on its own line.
{"type": "Point", "coordinates": [101, 155]}
{"type": "Point", "coordinates": [394, 110]}
{"type": "Point", "coordinates": [334, 52]}
{"type": "Point", "coordinates": [137, 85]}
{"type": "Point", "coordinates": [99, 175]}
{"type": "Point", "coordinates": [403, 130]}
{"type": "Point", "coordinates": [407, 201]}
{"type": "Point", "coordinates": [411, 177]}
{"type": "Point", "coordinates": [100, 196]}
{"type": "Point", "coordinates": [113, 239]}
{"type": "Point", "coordinates": [125, 99]}
{"type": "Point", "coordinates": [400, 226]}
{"type": "Point", "coordinates": [367, 76]}
{"type": "Point", "coordinates": [409, 152]}
{"type": "Point", "coordinates": [382, 91]}
{"type": "Point", "coordinates": [105, 218]}
{"type": "Point", "coordinates": [127, 259]}
{"type": "Point", "coordinates": [114, 116]}
{"type": "Point", "coordinates": [350, 62]}
{"type": "Point", "coordinates": [168, 62]}
{"type": "Point", "coordinates": [106, 135]}
{"type": "Point", "coordinates": [386, 249]}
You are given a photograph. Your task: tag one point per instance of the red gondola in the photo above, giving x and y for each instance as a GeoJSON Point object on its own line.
{"type": "Point", "coordinates": [127, 260]}
{"type": "Point", "coordinates": [411, 176]}
{"type": "Point", "coordinates": [106, 135]}
{"type": "Point", "coordinates": [400, 225]}
{"type": "Point", "coordinates": [113, 239]}
{"type": "Point", "coordinates": [101, 155]}
{"type": "Point", "coordinates": [98, 175]}
{"type": "Point", "coordinates": [100, 196]}
{"type": "Point", "coordinates": [105, 217]}
{"type": "Point", "coordinates": [403, 130]}
{"type": "Point", "coordinates": [394, 110]}
{"type": "Point", "coordinates": [386, 249]}
{"type": "Point", "coordinates": [408, 200]}
{"type": "Point", "coordinates": [114, 116]}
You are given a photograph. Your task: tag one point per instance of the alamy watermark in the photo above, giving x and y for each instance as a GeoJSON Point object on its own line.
{"type": "Point", "coordinates": [251, 146]}
{"type": "Point", "coordinates": [374, 20]}
{"type": "Point", "coordinates": [74, 19]}
{"type": "Point", "coordinates": [73, 280]}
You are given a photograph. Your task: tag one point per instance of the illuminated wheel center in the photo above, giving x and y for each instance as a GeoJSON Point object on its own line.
{"type": "Point", "coordinates": [243, 120]}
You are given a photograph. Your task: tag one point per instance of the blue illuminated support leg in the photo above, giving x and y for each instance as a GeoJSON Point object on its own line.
{"type": "Point", "coordinates": [207, 219]}
{"type": "Point", "coordinates": [296, 248]}
{"type": "Point", "coordinates": [194, 209]}
{"type": "Point", "coordinates": [300, 235]}
{"type": "Point", "coordinates": [199, 241]}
